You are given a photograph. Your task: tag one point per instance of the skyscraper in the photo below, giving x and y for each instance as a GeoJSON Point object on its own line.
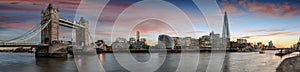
{"type": "Point", "coordinates": [271, 44]}
{"type": "Point", "coordinates": [137, 36]}
{"type": "Point", "coordinates": [226, 33]}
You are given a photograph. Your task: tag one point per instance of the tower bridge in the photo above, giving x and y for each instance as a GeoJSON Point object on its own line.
{"type": "Point", "coordinates": [49, 45]}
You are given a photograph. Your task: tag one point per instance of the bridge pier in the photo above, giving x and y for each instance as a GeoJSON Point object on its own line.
{"type": "Point", "coordinates": [41, 51]}
{"type": "Point", "coordinates": [47, 51]}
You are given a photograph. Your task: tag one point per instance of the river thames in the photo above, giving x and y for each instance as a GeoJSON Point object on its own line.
{"type": "Point", "coordinates": [234, 62]}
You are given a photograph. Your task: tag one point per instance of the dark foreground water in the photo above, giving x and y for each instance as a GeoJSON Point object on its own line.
{"type": "Point", "coordinates": [234, 62]}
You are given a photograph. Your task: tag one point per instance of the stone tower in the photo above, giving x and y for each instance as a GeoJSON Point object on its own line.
{"type": "Point", "coordinates": [50, 33]}
{"type": "Point", "coordinates": [226, 32]}
{"type": "Point", "coordinates": [82, 33]}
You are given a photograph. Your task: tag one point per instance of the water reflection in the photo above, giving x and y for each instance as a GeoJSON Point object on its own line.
{"type": "Point", "coordinates": [26, 62]}
{"type": "Point", "coordinates": [254, 62]}
{"type": "Point", "coordinates": [55, 64]}
{"type": "Point", "coordinates": [235, 62]}
{"type": "Point", "coordinates": [170, 65]}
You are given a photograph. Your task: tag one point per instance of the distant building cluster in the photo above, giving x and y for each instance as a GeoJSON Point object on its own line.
{"type": "Point", "coordinates": [138, 43]}
{"type": "Point", "coordinates": [296, 46]}
{"type": "Point", "coordinates": [242, 44]}
{"type": "Point", "coordinates": [206, 41]}
{"type": "Point", "coordinates": [133, 43]}
{"type": "Point", "coordinates": [213, 40]}
{"type": "Point", "coordinates": [165, 41]}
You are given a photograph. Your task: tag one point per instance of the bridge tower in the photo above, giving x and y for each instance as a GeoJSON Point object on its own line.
{"type": "Point", "coordinates": [82, 33]}
{"type": "Point", "coordinates": [50, 33]}
{"type": "Point", "coordinates": [51, 46]}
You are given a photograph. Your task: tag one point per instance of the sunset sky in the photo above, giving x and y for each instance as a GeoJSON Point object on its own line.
{"type": "Point", "coordinates": [256, 21]}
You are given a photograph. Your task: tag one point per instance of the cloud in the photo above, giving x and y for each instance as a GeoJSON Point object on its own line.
{"type": "Point", "coordinates": [231, 8]}
{"type": "Point", "coordinates": [61, 3]}
{"type": "Point", "coordinates": [150, 26]}
{"type": "Point", "coordinates": [38, 5]}
{"type": "Point", "coordinates": [103, 33]}
{"type": "Point", "coordinates": [188, 32]}
{"type": "Point", "coordinates": [269, 35]}
{"type": "Point", "coordinates": [265, 30]}
{"type": "Point", "coordinates": [7, 7]}
{"type": "Point", "coordinates": [268, 9]}
{"type": "Point", "coordinates": [16, 25]}
{"type": "Point", "coordinates": [272, 9]}
{"type": "Point", "coordinates": [112, 10]}
{"type": "Point", "coordinates": [272, 29]}
{"type": "Point", "coordinates": [146, 27]}
{"type": "Point", "coordinates": [6, 16]}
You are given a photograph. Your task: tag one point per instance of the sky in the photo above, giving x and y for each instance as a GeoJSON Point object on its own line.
{"type": "Point", "coordinates": [254, 20]}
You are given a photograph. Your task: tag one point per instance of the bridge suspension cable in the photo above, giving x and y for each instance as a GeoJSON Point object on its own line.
{"type": "Point", "coordinates": [31, 33]}
{"type": "Point", "coordinates": [93, 42]}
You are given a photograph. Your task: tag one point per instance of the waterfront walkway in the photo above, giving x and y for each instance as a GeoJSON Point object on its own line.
{"type": "Point", "coordinates": [163, 50]}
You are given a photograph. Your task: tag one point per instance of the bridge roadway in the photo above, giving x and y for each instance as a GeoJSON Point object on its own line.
{"type": "Point", "coordinates": [68, 23]}
{"type": "Point", "coordinates": [23, 45]}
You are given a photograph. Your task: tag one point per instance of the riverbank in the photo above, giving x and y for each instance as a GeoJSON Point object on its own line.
{"type": "Point", "coordinates": [291, 64]}
{"type": "Point", "coordinates": [161, 50]}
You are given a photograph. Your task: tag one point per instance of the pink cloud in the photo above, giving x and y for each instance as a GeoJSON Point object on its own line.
{"type": "Point", "coordinates": [265, 30]}
{"type": "Point", "coordinates": [272, 9]}
{"type": "Point", "coordinates": [25, 25]}
{"type": "Point", "coordinates": [230, 8]}
{"type": "Point", "coordinates": [27, 5]}
{"type": "Point", "coordinates": [269, 9]}
{"type": "Point", "coordinates": [62, 3]}
{"type": "Point", "coordinates": [150, 26]}
{"type": "Point", "coordinates": [112, 11]}
{"type": "Point", "coordinates": [189, 32]}
{"type": "Point", "coordinates": [6, 16]}
{"type": "Point", "coordinates": [269, 35]}
{"type": "Point", "coordinates": [105, 33]}
{"type": "Point", "coordinates": [145, 28]}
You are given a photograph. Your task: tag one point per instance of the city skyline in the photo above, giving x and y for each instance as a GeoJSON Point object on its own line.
{"type": "Point", "coordinates": [256, 21]}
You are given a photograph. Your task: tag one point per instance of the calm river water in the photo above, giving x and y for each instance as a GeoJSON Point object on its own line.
{"type": "Point", "coordinates": [235, 62]}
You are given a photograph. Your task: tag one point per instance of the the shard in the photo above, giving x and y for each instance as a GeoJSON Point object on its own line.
{"type": "Point", "coordinates": [226, 33]}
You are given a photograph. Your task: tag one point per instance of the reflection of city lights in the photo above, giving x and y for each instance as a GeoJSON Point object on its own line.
{"type": "Point", "coordinates": [79, 62]}
{"type": "Point", "coordinates": [100, 57]}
